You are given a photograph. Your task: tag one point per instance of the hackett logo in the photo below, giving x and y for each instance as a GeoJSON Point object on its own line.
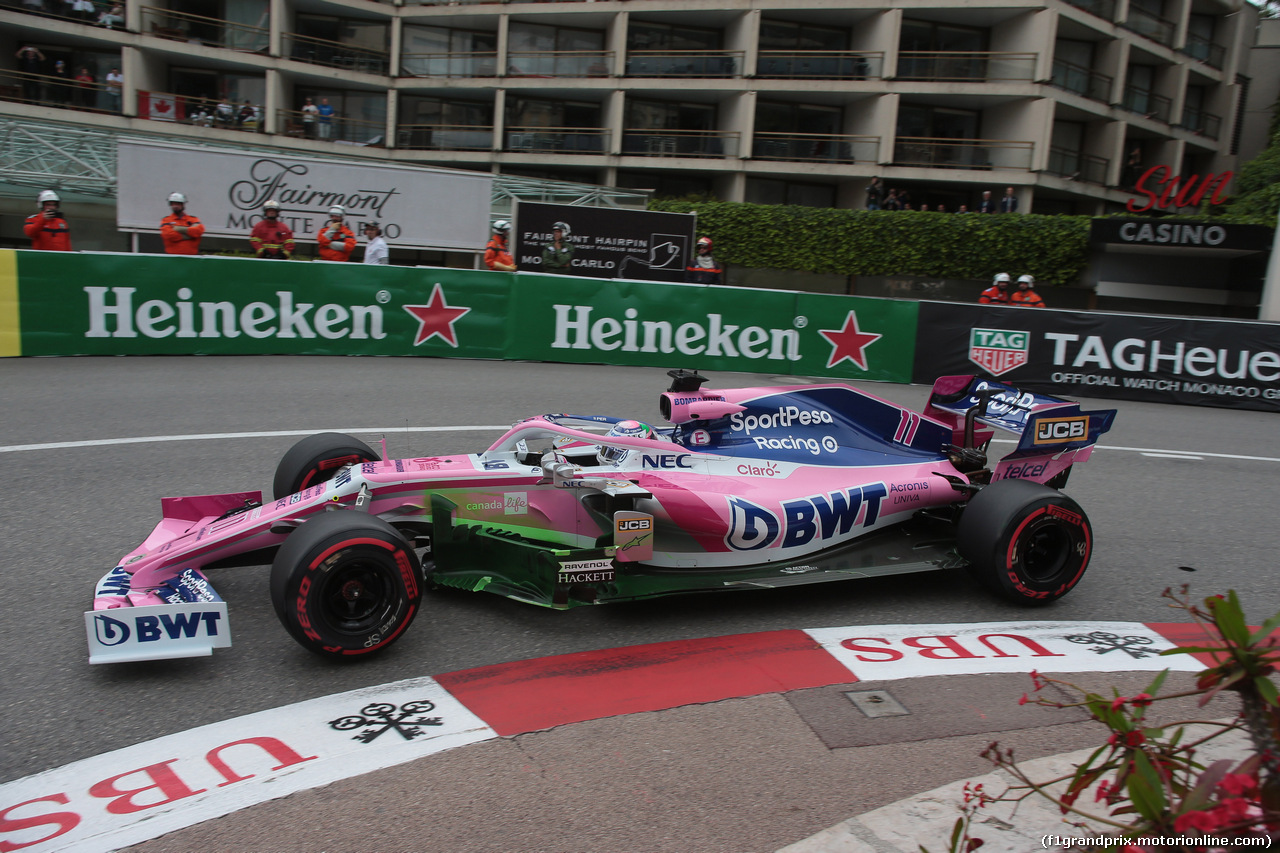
{"type": "Point", "coordinates": [998, 351]}
{"type": "Point", "coordinates": [114, 316]}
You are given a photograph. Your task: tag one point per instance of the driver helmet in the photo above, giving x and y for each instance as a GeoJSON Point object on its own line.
{"type": "Point", "coordinates": [47, 195]}
{"type": "Point", "coordinates": [563, 228]}
{"type": "Point", "coordinates": [177, 198]}
{"type": "Point", "coordinates": [1028, 280]}
{"type": "Point", "coordinates": [1002, 278]}
{"type": "Point", "coordinates": [627, 429]}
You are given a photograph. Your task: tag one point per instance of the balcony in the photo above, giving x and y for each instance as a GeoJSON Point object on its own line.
{"type": "Point", "coordinates": [815, 147]}
{"type": "Point", "coordinates": [332, 54]}
{"type": "Point", "coordinates": [1152, 26]}
{"type": "Point", "coordinates": [1074, 166]}
{"type": "Point", "coordinates": [1146, 103]}
{"type": "Point", "coordinates": [348, 131]}
{"type": "Point", "coordinates": [1082, 81]}
{"type": "Point", "coordinates": [444, 137]}
{"type": "Point", "coordinates": [966, 66]}
{"type": "Point", "coordinates": [47, 91]}
{"type": "Point", "coordinates": [1201, 122]}
{"type": "Point", "coordinates": [210, 32]}
{"type": "Point", "coordinates": [1209, 52]}
{"type": "Point", "coordinates": [962, 153]}
{"type": "Point", "coordinates": [680, 143]}
{"type": "Point", "coordinates": [684, 63]}
{"type": "Point", "coordinates": [820, 65]}
{"type": "Point", "coordinates": [458, 64]}
{"type": "Point", "coordinates": [559, 63]}
{"type": "Point", "coordinates": [1105, 9]}
{"type": "Point", "coordinates": [201, 112]}
{"type": "Point", "coordinates": [561, 140]}
{"type": "Point", "coordinates": [76, 11]}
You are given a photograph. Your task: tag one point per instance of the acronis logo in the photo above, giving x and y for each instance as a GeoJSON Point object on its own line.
{"type": "Point", "coordinates": [821, 517]}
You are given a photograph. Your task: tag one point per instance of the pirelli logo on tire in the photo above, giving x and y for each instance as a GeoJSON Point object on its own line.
{"type": "Point", "coordinates": [1060, 430]}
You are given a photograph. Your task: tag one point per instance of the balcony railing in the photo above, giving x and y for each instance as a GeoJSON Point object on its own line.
{"type": "Point", "coordinates": [197, 29]}
{"type": "Point", "coordinates": [1208, 52]}
{"type": "Point", "coordinates": [350, 131]}
{"type": "Point", "coordinates": [964, 65]}
{"type": "Point", "coordinates": [96, 12]}
{"type": "Point", "coordinates": [680, 143]}
{"type": "Point", "coordinates": [564, 140]}
{"type": "Point", "coordinates": [202, 112]}
{"type": "Point", "coordinates": [962, 153]}
{"type": "Point", "coordinates": [1152, 26]}
{"type": "Point", "coordinates": [815, 147]}
{"type": "Point", "coordinates": [559, 63]}
{"type": "Point", "coordinates": [1147, 103]}
{"type": "Point", "coordinates": [444, 137]}
{"type": "Point", "coordinates": [332, 54]}
{"type": "Point", "coordinates": [1082, 81]}
{"type": "Point", "coordinates": [820, 64]}
{"type": "Point", "coordinates": [1066, 163]}
{"type": "Point", "coordinates": [1105, 9]}
{"type": "Point", "coordinates": [47, 91]}
{"type": "Point", "coordinates": [684, 63]}
{"type": "Point", "coordinates": [459, 64]}
{"type": "Point", "coordinates": [1201, 122]}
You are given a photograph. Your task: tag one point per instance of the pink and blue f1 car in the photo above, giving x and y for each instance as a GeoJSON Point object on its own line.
{"type": "Point", "coordinates": [750, 488]}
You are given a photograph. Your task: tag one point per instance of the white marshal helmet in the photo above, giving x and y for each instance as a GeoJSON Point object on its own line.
{"type": "Point", "coordinates": [1028, 280]}
{"type": "Point", "coordinates": [563, 228]}
{"type": "Point", "coordinates": [623, 429]}
{"type": "Point", "coordinates": [502, 226]}
{"type": "Point", "coordinates": [178, 198]}
{"type": "Point", "coordinates": [337, 210]}
{"type": "Point", "coordinates": [271, 205]}
{"type": "Point", "coordinates": [1001, 278]}
{"type": "Point", "coordinates": [47, 195]}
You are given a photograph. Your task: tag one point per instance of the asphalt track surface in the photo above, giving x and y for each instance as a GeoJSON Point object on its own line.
{"type": "Point", "coordinates": [1169, 490]}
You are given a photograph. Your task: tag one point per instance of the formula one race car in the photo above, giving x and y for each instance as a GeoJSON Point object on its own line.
{"type": "Point", "coordinates": [749, 488]}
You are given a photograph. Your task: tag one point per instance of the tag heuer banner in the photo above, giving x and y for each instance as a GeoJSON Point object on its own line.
{"type": "Point", "coordinates": [1232, 364]}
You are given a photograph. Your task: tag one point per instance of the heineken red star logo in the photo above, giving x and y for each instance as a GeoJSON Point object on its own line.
{"type": "Point", "coordinates": [849, 342]}
{"type": "Point", "coordinates": [436, 318]}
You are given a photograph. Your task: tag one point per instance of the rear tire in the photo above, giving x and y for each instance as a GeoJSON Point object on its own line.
{"type": "Point", "coordinates": [1026, 541]}
{"type": "Point", "coordinates": [318, 458]}
{"type": "Point", "coordinates": [345, 584]}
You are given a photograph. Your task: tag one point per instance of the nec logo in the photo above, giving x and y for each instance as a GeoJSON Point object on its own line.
{"type": "Point", "coordinates": [635, 524]}
{"type": "Point", "coordinates": [666, 460]}
{"type": "Point", "coordinates": [1060, 430]}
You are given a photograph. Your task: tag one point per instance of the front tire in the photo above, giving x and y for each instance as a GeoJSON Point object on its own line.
{"type": "Point", "coordinates": [1028, 542]}
{"type": "Point", "coordinates": [346, 584]}
{"type": "Point", "coordinates": [318, 458]}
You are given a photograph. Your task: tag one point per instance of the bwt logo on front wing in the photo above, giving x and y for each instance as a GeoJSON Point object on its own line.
{"type": "Point", "coordinates": [1061, 430]}
{"type": "Point", "coordinates": [111, 631]}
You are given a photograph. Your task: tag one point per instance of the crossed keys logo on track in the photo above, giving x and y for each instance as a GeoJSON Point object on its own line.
{"type": "Point", "coordinates": [1104, 641]}
{"type": "Point", "coordinates": [382, 717]}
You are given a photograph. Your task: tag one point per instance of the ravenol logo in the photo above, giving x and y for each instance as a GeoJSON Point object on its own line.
{"type": "Point", "coordinates": [998, 351]}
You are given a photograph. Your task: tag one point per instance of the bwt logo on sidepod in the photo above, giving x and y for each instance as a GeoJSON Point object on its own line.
{"type": "Point", "coordinates": [835, 514]}
{"type": "Point", "coordinates": [114, 632]}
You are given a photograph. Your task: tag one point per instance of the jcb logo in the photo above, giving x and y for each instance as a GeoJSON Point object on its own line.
{"type": "Point", "coordinates": [1060, 430]}
{"type": "Point", "coordinates": [635, 524]}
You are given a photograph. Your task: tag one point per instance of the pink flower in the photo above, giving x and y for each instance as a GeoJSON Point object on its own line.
{"type": "Point", "coordinates": [1197, 822]}
{"type": "Point", "coordinates": [1024, 700]}
{"type": "Point", "coordinates": [1142, 700]}
{"type": "Point", "coordinates": [1135, 739]}
{"type": "Point", "coordinates": [1104, 791]}
{"type": "Point", "coordinates": [1239, 785]}
{"type": "Point", "coordinates": [1118, 703]}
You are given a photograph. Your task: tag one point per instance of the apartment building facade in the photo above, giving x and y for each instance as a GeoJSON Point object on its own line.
{"type": "Point", "coordinates": [769, 101]}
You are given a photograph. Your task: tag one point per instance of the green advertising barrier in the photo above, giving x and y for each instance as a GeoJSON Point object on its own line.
{"type": "Point", "coordinates": [75, 303]}
{"type": "Point", "coordinates": [584, 320]}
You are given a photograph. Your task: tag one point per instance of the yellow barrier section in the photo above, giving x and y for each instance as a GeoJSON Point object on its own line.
{"type": "Point", "coordinates": [10, 327]}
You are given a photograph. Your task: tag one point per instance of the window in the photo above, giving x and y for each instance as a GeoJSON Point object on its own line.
{"type": "Point", "coordinates": [785, 35]}
{"type": "Point", "coordinates": [645, 115]}
{"type": "Point", "coordinates": [647, 36]}
{"type": "Point", "coordinates": [536, 112]}
{"type": "Point", "coordinates": [443, 52]}
{"type": "Point", "coordinates": [772, 117]}
{"type": "Point", "coordinates": [763, 191]}
{"type": "Point", "coordinates": [938, 122]}
{"type": "Point", "coordinates": [538, 50]}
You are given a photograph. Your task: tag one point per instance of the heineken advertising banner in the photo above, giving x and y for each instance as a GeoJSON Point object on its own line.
{"type": "Point", "coordinates": [603, 242]}
{"type": "Point", "coordinates": [713, 328]}
{"type": "Point", "coordinates": [1231, 364]}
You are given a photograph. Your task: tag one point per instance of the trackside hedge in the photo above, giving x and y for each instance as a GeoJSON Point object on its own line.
{"type": "Point", "coordinates": [863, 242]}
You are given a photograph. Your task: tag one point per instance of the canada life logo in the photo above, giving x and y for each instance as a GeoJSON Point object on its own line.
{"type": "Point", "coordinates": [999, 351]}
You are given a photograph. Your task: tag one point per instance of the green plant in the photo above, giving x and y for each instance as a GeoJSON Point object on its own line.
{"type": "Point", "coordinates": [1146, 780]}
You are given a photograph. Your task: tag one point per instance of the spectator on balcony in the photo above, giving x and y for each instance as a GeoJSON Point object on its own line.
{"type": "Point", "coordinates": [224, 114]}
{"type": "Point", "coordinates": [30, 62]}
{"type": "Point", "coordinates": [376, 252]}
{"type": "Point", "coordinates": [964, 208]}
{"type": "Point", "coordinates": [892, 201]}
{"type": "Point", "coordinates": [336, 239]}
{"type": "Point", "coordinates": [326, 118]}
{"type": "Point", "coordinates": [113, 17]}
{"type": "Point", "coordinates": [988, 204]}
{"type": "Point", "coordinates": [557, 256]}
{"type": "Point", "coordinates": [1132, 169]}
{"type": "Point", "coordinates": [84, 88]}
{"type": "Point", "coordinates": [1009, 204]}
{"type": "Point", "coordinates": [704, 269]}
{"type": "Point", "coordinates": [248, 116]}
{"type": "Point", "coordinates": [496, 255]}
{"type": "Point", "coordinates": [940, 208]}
{"type": "Point", "coordinates": [63, 86]}
{"type": "Point", "coordinates": [82, 10]}
{"type": "Point", "coordinates": [180, 231]}
{"type": "Point", "coordinates": [309, 114]}
{"type": "Point", "coordinates": [875, 194]}
{"type": "Point", "coordinates": [115, 85]}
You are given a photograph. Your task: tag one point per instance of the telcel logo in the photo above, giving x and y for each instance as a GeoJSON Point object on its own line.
{"type": "Point", "coordinates": [1061, 430]}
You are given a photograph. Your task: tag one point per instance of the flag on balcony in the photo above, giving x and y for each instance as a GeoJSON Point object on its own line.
{"type": "Point", "coordinates": [160, 106]}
